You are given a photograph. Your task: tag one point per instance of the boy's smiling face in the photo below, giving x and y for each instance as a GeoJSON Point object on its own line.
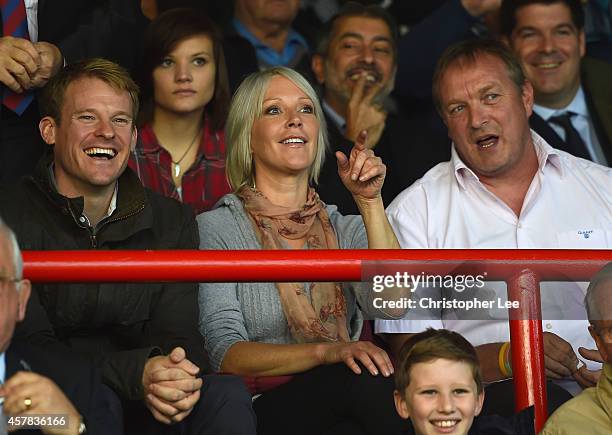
{"type": "Point", "coordinates": [441, 398]}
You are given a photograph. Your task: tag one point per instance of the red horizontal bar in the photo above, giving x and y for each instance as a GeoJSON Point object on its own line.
{"type": "Point", "coordinates": [301, 265]}
{"type": "Point", "coordinates": [345, 265]}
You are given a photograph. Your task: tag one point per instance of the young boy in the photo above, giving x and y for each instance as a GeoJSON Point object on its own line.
{"type": "Point", "coordinates": [439, 388]}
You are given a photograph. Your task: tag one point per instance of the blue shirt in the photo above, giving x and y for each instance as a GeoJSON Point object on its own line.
{"type": "Point", "coordinates": [2, 367]}
{"type": "Point", "coordinates": [295, 47]}
{"type": "Point", "coordinates": [2, 375]}
{"type": "Point", "coordinates": [581, 122]}
{"type": "Point", "coordinates": [338, 120]}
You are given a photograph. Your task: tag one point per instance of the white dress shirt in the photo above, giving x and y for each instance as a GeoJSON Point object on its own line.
{"type": "Point", "coordinates": [568, 206]}
{"type": "Point", "coordinates": [31, 7]}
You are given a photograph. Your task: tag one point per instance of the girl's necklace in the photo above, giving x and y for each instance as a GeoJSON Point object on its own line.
{"type": "Point", "coordinates": [176, 166]}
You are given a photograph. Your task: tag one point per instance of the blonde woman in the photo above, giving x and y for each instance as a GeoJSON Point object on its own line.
{"type": "Point", "coordinates": [276, 144]}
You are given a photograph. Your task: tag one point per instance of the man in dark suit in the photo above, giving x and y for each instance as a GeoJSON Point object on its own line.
{"type": "Point", "coordinates": [33, 382]}
{"type": "Point", "coordinates": [355, 65]}
{"type": "Point", "coordinates": [573, 93]}
{"type": "Point", "coordinates": [57, 32]}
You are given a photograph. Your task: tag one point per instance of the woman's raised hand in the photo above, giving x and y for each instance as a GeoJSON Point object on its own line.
{"type": "Point", "coordinates": [362, 173]}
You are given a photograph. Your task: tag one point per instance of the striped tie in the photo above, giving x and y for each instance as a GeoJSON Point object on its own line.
{"type": "Point", "coordinates": [15, 23]}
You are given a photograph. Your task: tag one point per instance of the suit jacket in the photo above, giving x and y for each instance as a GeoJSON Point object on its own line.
{"type": "Point", "coordinates": [81, 29]}
{"type": "Point", "coordinates": [90, 28]}
{"type": "Point", "coordinates": [598, 92]}
{"type": "Point", "coordinates": [58, 20]}
{"type": "Point", "coordinates": [69, 25]}
{"type": "Point", "coordinates": [409, 146]}
{"type": "Point", "coordinates": [100, 408]}
{"type": "Point", "coordinates": [420, 48]}
{"type": "Point", "coordinates": [102, 28]}
{"type": "Point", "coordinates": [240, 57]}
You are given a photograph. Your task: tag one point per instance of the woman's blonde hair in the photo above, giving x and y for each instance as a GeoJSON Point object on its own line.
{"type": "Point", "coordinates": [246, 106]}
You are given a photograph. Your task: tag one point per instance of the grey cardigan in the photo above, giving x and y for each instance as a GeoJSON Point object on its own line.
{"type": "Point", "coordinates": [232, 312]}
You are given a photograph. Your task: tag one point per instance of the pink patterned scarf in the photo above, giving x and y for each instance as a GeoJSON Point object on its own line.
{"type": "Point", "coordinates": [322, 317]}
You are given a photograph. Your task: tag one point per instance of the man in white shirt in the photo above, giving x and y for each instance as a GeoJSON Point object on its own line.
{"type": "Point", "coordinates": [504, 187]}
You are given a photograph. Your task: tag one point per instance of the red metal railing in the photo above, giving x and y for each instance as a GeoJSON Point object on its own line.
{"type": "Point", "coordinates": [522, 270]}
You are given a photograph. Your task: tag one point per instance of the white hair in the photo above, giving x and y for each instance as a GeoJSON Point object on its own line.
{"type": "Point", "coordinates": [590, 300]}
{"type": "Point", "coordinates": [12, 240]}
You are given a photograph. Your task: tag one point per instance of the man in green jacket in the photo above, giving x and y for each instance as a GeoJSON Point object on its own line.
{"type": "Point", "coordinates": [591, 411]}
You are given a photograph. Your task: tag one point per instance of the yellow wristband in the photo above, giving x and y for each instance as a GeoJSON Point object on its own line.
{"type": "Point", "coordinates": [508, 361]}
{"type": "Point", "coordinates": [503, 360]}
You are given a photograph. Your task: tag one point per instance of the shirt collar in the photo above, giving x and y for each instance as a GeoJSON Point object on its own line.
{"type": "Point", "coordinates": [266, 53]}
{"type": "Point", "coordinates": [113, 202]}
{"type": "Point", "coordinates": [577, 105]}
{"type": "Point", "coordinates": [607, 368]}
{"type": "Point", "coordinates": [147, 140]}
{"type": "Point", "coordinates": [2, 368]}
{"type": "Point", "coordinates": [544, 152]}
{"type": "Point", "coordinates": [338, 120]}
{"type": "Point", "coordinates": [292, 37]}
{"type": "Point", "coordinates": [246, 33]}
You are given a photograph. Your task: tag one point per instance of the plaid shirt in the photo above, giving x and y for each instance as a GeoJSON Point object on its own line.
{"type": "Point", "coordinates": [202, 184]}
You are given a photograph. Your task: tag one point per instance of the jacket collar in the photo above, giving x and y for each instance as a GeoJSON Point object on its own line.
{"type": "Point", "coordinates": [604, 389]}
{"type": "Point", "coordinates": [14, 363]}
{"type": "Point", "coordinates": [131, 196]}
